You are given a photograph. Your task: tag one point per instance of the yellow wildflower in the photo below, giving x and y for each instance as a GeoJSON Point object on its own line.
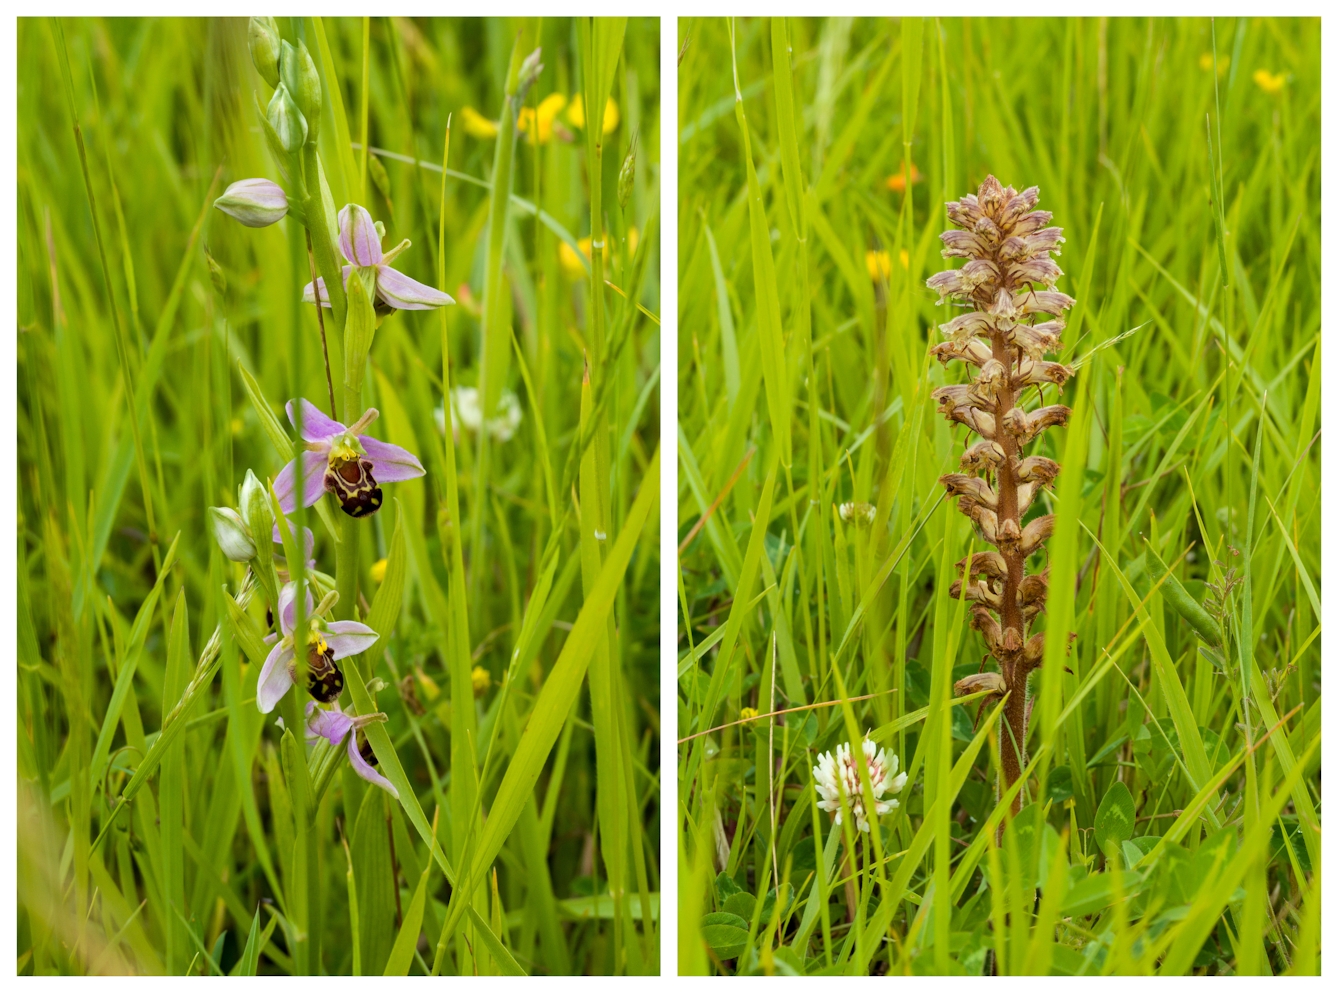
{"type": "Point", "coordinates": [748, 714]}
{"type": "Point", "coordinates": [576, 113]}
{"type": "Point", "coordinates": [1269, 82]}
{"type": "Point", "coordinates": [478, 125]}
{"type": "Point", "coordinates": [879, 263]}
{"type": "Point", "coordinates": [571, 263]}
{"type": "Point", "coordinates": [1206, 62]}
{"type": "Point", "coordinates": [481, 678]}
{"type": "Point", "coordinates": [546, 113]}
{"type": "Point", "coordinates": [378, 571]}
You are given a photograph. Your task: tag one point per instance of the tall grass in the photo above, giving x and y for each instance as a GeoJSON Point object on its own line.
{"type": "Point", "coordinates": [165, 826]}
{"type": "Point", "coordinates": [1169, 817]}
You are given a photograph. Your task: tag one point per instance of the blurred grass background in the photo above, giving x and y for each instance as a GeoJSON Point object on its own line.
{"type": "Point", "coordinates": [167, 114]}
{"type": "Point", "coordinates": [1172, 822]}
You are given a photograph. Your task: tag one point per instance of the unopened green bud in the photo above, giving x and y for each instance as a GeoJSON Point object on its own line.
{"type": "Point", "coordinates": [626, 175]}
{"type": "Point", "coordinates": [216, 274]}
{"type": "Point", "coordinates": [529, 72]}
{"type": "Point", "coordinates": [232, 534]}
{"type": "Point", "coordinates": [287, 121]}
{"type": "Point", "coordinates": [299, 76]}
{"type": "Point", "coordinates": [263, 39]}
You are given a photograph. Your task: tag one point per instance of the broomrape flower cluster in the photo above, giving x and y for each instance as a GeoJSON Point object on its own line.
{"type": "Point", "coordinates": [836, 777]}
{"type": "Point", "coordinates": [1007, 283]}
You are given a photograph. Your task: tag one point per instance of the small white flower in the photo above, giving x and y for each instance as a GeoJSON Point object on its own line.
{"type": "Point", "coordinates": [860, 514]}
{"type": "Point", "coordinates": [834, 776]}
{"type": "Point", "coordinates": [467, 412]}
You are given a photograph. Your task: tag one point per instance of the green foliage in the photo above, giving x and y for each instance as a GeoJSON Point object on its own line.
{"type": "Point", "coordinates": [164, 824]}
{"type": "Point", "coordinates": [1170, 822]}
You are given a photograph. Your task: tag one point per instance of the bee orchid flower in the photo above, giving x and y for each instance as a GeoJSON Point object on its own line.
{"type": "Point", "coordinates": [360, 241]}
{"type": "Point", "coordinates": [343, 462]}
{"type": "Point", "coordinates": [325, 643]}
{"type": "Point", "coordinates": [335, 726]}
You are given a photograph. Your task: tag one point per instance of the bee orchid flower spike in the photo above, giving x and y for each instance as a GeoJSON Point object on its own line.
{"type": "Point", "coordinates": [1014, 318]}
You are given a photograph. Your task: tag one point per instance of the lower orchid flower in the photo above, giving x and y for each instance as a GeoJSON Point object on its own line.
{"type": "Point", "coordinates": [340, 461]}
{"type": "Point", "coordinates": [334, 726]}
{"type": "Point", "coordinates": [325, 642]}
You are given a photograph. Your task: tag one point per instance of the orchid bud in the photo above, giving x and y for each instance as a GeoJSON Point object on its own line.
{"type": "Point", "coordinates": [232, 534]}
{"type": "Point", "coordinates": [257, 203]}
{"type": "Point", "coordinates": [254, 504]}
{"type": "Point", "coordinates": [263, 39]}
{"type": "Point", "coordinates": [303, 83]}
{"type": "Point", "coordinates": [287, 121]}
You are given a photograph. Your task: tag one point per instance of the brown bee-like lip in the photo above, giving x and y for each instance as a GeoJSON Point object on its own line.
{"type": "Point", "coordinates": [325, 682]}
{"type": "Point", "coordinates": [365, 748]}
{"type": "Point", "coordinates": [353, 485]}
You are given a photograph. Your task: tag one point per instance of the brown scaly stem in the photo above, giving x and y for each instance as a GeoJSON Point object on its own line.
{"type": "Point", "coordinates": [1008, 250]}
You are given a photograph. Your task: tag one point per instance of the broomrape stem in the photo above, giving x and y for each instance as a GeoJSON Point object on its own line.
{"type": "Point", "coordinates": [1007, 247]}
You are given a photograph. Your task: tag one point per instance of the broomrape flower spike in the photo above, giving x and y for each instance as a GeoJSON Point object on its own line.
{"type": "Point", "coordinates": [360, 241]}
{"type": "Point", "coordinates": [1007, 282]}
{"type": "Point", "coordinates": [325, 643]}
{"type": "Point", "coordinates": [342, 462]}
{"type": "Point", "coordinates": [837, 775]}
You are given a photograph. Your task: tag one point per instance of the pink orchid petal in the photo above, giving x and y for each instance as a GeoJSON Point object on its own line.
{"type": "Point", "coordinates": [309, 539]}
{"type": "Point", "coordinates": [309, 296]}
{"type": "Point", "coordinates": [332, 725]}
{"type": "Point", "coordinates": [314, 465]}
{"type": "Point", "coordinates": [315, 425]}
{"type": "Point", "coordinates": [349, 638]}
{"type": "Point", "coordinates": [274, 679]}
{"type": "Point", "coordinates": [358, 239]}
{"type": "Point", "coordinates": [390, 463]}
{"type": "Point", "coordinates": [364, 770]}
{"type": "Point", "coordinates": [288, 607]}
{"type": "Point", "coordinates": [404, 293]}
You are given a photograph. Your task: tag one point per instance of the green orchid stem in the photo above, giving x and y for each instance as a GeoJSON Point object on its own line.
{"type": "Point", "coordinates": [346, 567]}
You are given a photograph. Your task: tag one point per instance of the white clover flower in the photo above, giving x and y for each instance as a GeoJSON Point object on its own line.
{"type": "Point", "coordinates": [860, 514]}
{"type": "Point", "coordinates": [467, 411]}
{"type": "Point", "coordinates": [836, 775]}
